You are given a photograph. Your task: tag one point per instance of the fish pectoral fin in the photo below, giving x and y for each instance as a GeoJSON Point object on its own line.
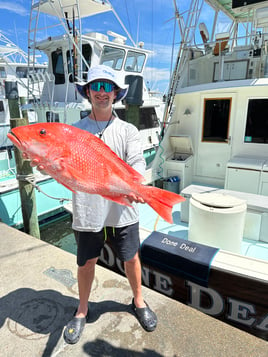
{"type": "Point", "coordinates": [122, 200]}
{"type": "Point", "coordinates": [58, 164]}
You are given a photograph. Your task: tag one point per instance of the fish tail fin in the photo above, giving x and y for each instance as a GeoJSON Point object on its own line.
{"type": "Point", "coordinates": [161, 201]}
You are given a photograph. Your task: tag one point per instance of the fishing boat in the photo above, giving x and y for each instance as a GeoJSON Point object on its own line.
{"type": "Point", "coordinates": [70, 52]}
{"type": "Point", "coordinates": [13, 85]}
{"type": "Point", "coordinates": [214, 152]}
{"type": "Point", "coordinates": [15, 101]}
{"type": "Point", "coordinates": [216, 144]}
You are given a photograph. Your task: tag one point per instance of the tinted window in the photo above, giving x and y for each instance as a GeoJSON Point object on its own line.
{"type": "Point", "coordinates": [216, 120]}
{"type": "Point", "coordinates": [58, 68]}
{"type": "Point", "coordinates": [257, 121]}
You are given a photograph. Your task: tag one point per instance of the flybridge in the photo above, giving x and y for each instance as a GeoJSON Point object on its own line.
{"type": "Point", "coordinates": [77, 8]}
{"type": "Point", "coordinates": [238, 10]}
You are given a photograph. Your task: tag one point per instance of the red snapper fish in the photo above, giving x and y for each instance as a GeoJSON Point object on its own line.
{"type": "Point", "coordinates": [81, 161]}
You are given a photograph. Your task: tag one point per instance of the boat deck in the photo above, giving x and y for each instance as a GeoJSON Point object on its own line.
{"type": "Point", "coordinates": [252, 262]}
{"type": "Point", "coordinates": [149, 221]}
{"type": "Point", "coordinates": [39, 295]}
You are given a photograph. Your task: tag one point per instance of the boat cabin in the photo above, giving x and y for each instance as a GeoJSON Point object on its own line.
{"type": "Point", "coordinates": [221, 101]}
{"type": "Point", "coordinates": [73, 52]}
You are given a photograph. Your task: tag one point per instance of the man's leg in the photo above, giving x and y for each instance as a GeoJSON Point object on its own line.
{"type": "Point", "coordinates": [145, 315]}
{"type": "Point", "coordinates": [85, 277]}
{"type": "Point", "coordinates": [89, 245]}
{"type": "Point", "coordinates": [133, 273]}
{"type": "Point", "coordinates": [126, 243]}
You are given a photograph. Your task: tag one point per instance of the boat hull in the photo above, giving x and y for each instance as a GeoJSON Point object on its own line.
{"type": "Point", "coordinates": [236, 299]}
{"type": "Point", "coordinates": [49, 201]}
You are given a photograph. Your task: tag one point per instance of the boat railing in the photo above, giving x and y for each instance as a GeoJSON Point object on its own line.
{"type": "Point", "coordinates": [222, 49]}
{"type": "Point", "coordinates": [224, 42]}
{"type": "Point", "coordinates": [37, 80]}
{"type": "Point", "coordinates": [48, 89]}
{"type": "Point", "coordinates": [6, 155]}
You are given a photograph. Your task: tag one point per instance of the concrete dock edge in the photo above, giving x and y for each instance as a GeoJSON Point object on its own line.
{"type": "Point", "coordinates": [38, 295]}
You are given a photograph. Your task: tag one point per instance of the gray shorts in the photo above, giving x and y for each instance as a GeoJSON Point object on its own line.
{"type": "Point", "coordinates": [125, 242]}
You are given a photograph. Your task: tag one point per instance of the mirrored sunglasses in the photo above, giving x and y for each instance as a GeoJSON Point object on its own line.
{"type": "Point", "coordinates": [97, 85]}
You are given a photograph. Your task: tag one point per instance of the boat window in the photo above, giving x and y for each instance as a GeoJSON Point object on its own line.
{"type": "Point", "coordinates": [52, 117]}
{"type": "Point", "coordinates": [40, 70]}
{"type": "Point", "coordinates": [73, 71]}
{"type": "Point", "coordinates": [87, 52]}
{"type": "Point", "coordinates": [2, 72]}
{"type": "Point", "coordinates": [257, 121]}
{"type": "Point", "coordinates": [148, 118]}
{"type": "Point", "coordinates": [21, 72]}
{"type": "Point", "coordinates": [216, 119]}
{"type": "Point", "coordinates": [112, 57]}
{"type": "Point", "coordinates": [134, 61]}
{"type": "Point", "coordinates": [57, 66]}
{"type": "Point", "coordinates": [2, 109]}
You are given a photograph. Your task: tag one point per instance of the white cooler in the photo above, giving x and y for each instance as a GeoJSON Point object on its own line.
{"type": "Point", "coordinates": [217, 220]}
{"type": "Point", "coordinates": [243, 173]}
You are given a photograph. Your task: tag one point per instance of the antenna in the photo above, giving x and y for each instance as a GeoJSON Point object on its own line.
{"type": "Point", "coordinates": [138, 28]}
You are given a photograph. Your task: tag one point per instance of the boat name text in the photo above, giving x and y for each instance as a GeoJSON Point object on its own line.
{"type": "Point", "coordinates": [231, 309]}
{"type": "Point", "coordinates": [183, 246]}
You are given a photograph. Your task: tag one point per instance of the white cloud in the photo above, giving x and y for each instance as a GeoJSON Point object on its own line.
{"type": "Point", "coordinates": [157, 71]}
{"type": "Point", "coordinates": [18, 9]}
{"type": "Point", "coordinates": [157, 79]}
{"type": "Point", "coordinates": [162, 53]}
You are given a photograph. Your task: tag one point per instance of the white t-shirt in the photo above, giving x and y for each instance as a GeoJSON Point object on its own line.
{"type": "Point", "coordinates": [92, 212]}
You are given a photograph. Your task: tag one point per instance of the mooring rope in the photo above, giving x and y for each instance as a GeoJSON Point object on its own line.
{"type": "Point", "coordinates": [30, 178]}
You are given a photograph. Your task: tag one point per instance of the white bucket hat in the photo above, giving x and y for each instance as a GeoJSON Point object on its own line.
{"type": "Point", "coordinates": [103, 72]}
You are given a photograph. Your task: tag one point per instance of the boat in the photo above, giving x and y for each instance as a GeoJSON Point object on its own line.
{"type": "Point", "coordinates": [15, 101]}
{"type": "Point", "coordinates": [69, 53]}
{"type": "Point", "coordinates": [72, 52]}
{"type": "Point", "coordinates": [214, 152]}
{"type": "Point", "coordinates": [215, 143]}
{"type": "Point", "coordinates": [14, 84]}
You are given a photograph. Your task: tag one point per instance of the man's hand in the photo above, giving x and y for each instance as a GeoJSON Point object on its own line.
{"type": "Point", "coordinates": [40, 168]}
{"type": "Point", "coordinates": [133, 198]}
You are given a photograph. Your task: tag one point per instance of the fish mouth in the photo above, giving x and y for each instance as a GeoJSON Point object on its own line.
{"type": "Point", "coordinates": [15, 140]}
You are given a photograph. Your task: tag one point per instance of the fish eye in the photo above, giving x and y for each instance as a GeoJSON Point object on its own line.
{"type": "Point", "coordinates": [42, 132]}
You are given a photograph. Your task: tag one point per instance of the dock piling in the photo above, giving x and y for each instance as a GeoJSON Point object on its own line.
{"type": "Point", "coordinates": [27, 194]}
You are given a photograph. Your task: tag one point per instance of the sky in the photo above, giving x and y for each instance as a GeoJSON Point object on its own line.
{"type": "Point", "coordinates": [150, 21]}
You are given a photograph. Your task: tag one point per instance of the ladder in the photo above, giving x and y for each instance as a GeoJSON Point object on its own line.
{"type": "Point", "coordinates": [187, 30]}
{"type": "Point", "coordinates": [34, 16]}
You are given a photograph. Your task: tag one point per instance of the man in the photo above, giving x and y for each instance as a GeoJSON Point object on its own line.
{"type": "Point", "coordinates": [92, 213]}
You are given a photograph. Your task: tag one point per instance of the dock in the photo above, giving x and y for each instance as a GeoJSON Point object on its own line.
{"type": "Point", "coordinates": [38, 296]}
